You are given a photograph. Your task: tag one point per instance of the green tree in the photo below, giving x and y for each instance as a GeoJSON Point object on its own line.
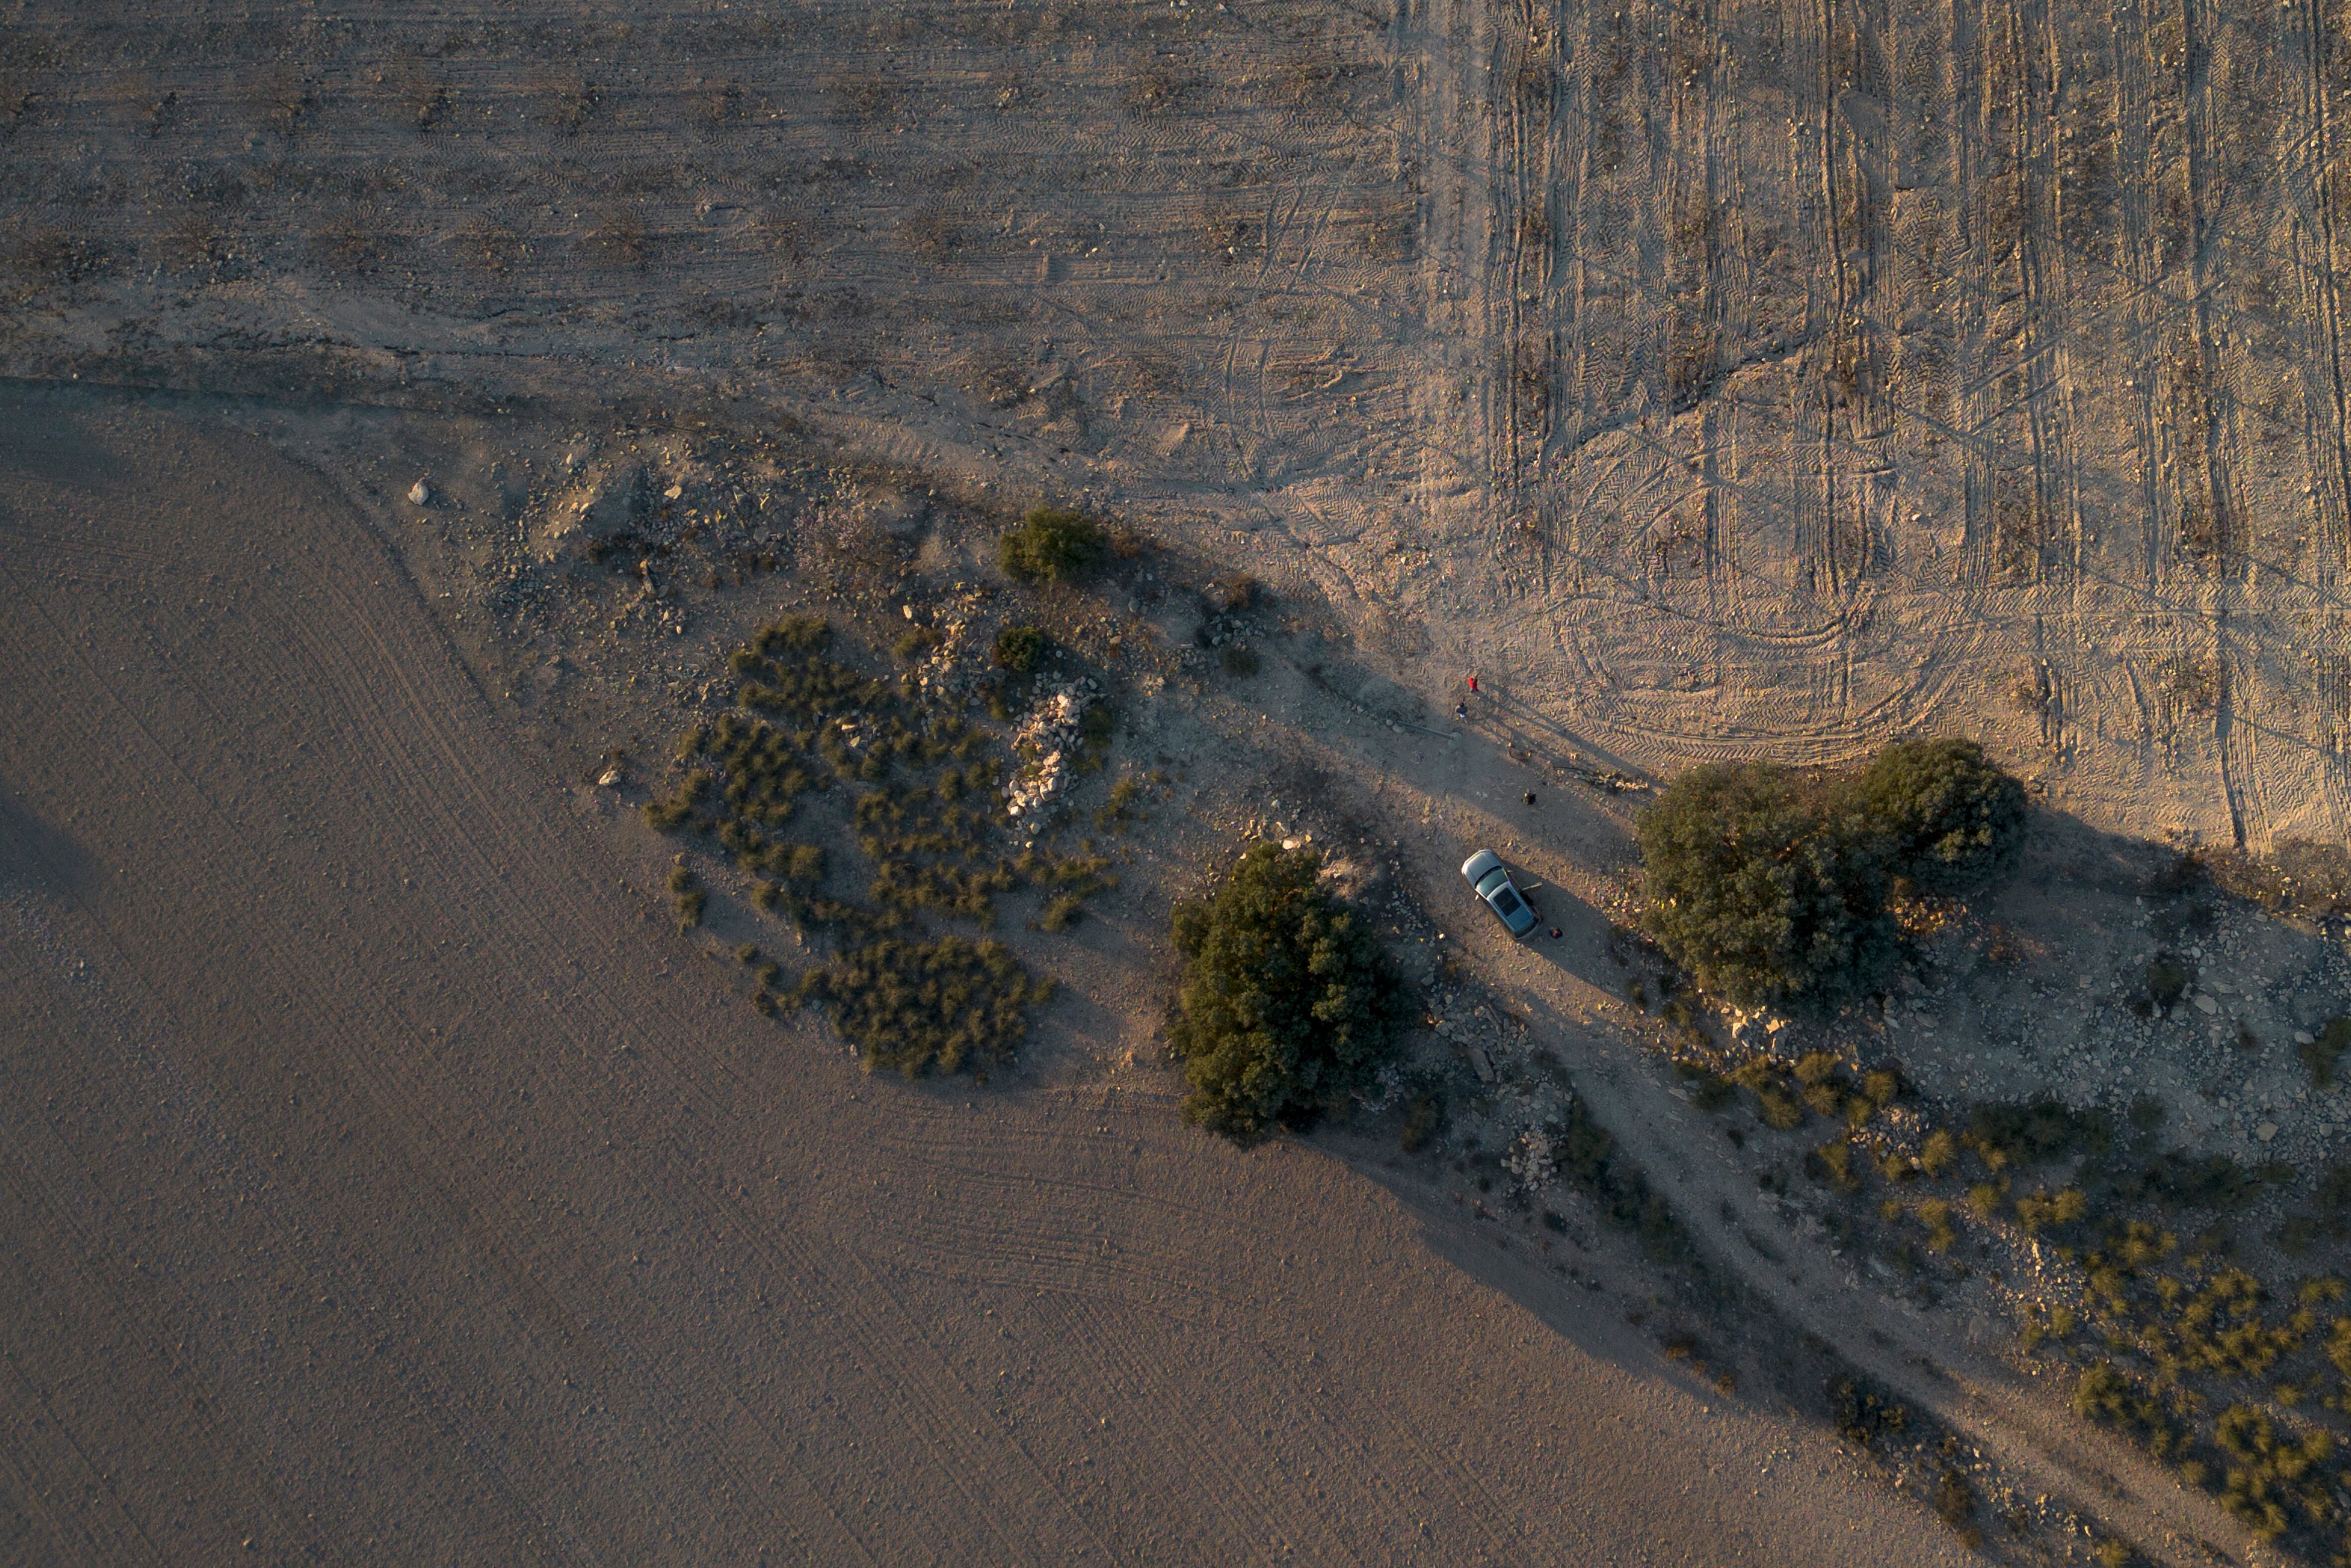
{"type": "Point", "coordinates": [1763, 890]}
{"type": "Point", "coordinates": [1053, 545]}
{"type": "Point", "coordinates": [1288, 1007]}
{"type": "Point", "coordinates": [1953, 819]}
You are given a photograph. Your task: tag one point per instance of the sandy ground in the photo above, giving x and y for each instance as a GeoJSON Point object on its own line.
{"type": "Point", "coordinates": [380, 1186]}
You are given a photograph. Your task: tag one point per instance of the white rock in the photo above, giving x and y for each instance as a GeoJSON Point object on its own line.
{"type": "Point", "coordinates": [2266, 1131]}
{"type": "Point", "coordinates": [420, 492]}
{"type": "Point", "coordinates": [2303, 1037]}
{"type": "Point", "coordinates": [2205, 1004]}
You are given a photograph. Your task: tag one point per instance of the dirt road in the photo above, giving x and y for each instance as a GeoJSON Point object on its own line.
{"type": "Point", "coordinates": [372, 1193]}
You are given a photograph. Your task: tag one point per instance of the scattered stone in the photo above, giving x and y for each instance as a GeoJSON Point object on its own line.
{"type": "Point", "coordinates": [2266, 1131]}
{"type": "Point", "coordinates": [420, 494]}
{"type": "Point", "coordinates": [2206, 1005]}
{"type": "Point", "coordinates": [1045, 739]}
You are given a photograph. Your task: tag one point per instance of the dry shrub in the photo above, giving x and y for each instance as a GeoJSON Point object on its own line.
{"type": "Point", "coordinates": [200, 245]}
{"type": "Point", "coordinates": [863, 98]}
{"type": "Point", "coordinates": [620, 239]}
{"type": "Point", "coordinates": [2034, 692]}
{"type": "Point", "coordinates": [350, 250]}
{"type": "Point", "coordinates": [934, 234]}
{"type": "Point", "coordinates": [1232, 230]}
{"type": "Point", "coordinates": [1692, 353]}
{"type": "Point", "coordinates": [155, 106]}
{"type": "Point", "coordinates": [2298, 879]}
{"type": "Point", "coordinates": [431, 107]}
{"type": "Point", "coordinates": [492, 250]}
{"type": "Point", "coordinates": [721, 108]}
{"type": "Point", "coordinates": [1233, 591]}
{"type": "Point", "coordinates": [1390, 236]}
{"type": "Point", "coordinates": [50, 258]}
{"type": "Point", "coordinates": [2190, 684]}
{"type": "Point", "coordinates": [570, 103]}
{"type": "Point", "coordinates": [1158, 88]}
{"type": "Point", "coordinates": [286, 100]}
{"type": "Point", "coordinates": [18, 98]}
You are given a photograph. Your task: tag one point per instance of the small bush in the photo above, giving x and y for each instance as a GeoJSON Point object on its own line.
{"type": "Point", "coordinates": [1238, 661]}
{"type": "Point", "coordinates": [2035, 1132]}
{"type": "Point", "coordinates": [1096, 726]}
{"type": "Point", "coordinates": [914, 642]}
{"type": "Point", "coordinates": [2042, 1211]}
{"type": "Point", "coordinates": [1020, 649]}
{"type": "Point", "coordinates": [1233, 591]}
{"type": "Point", "coordinates": [1956, 820]}
{"type": "Point", "coordinates": [1832, 1165]}
{"type": "Point", "coordinates": [690, 905]}
{"type": "Point", "coordinates": [1710, 1091]}
{"type": "Point", "coordinates": [1065, 910]}
{"type": "Point", "coordinates": [1938, 1153]}
{"type": "Point", "coordinates": [1118, 809]}
{"type": "Point", "coordinates": [1863, 1415]}
{"type": "Point", "coordinates": [1288, 1005]}
{"type": "Point", "coordinates": [2167, 979]}
{"type": "Point", "coordinates": [1053, 545]}
{"type": "Point", "coordinates": [620, 239]}
{"type": "Point", "coordinates": [2192, 1181]}
{"type": "Point", "coordinates": [2322, 1054]}
{"type": "Point", "coordinates": [1424, 1118]}
{"type": "Point", "coordinates": [1955, 1499]}
{"type": "Point", "coordinates": [1778, 1108]}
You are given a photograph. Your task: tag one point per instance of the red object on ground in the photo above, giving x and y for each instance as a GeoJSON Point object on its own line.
{"type": "Point", "coordinates": [1473, 683]}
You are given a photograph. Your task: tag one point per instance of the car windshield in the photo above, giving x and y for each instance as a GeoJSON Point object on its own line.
{"type": "Point", "coordinates": [1505, 900]}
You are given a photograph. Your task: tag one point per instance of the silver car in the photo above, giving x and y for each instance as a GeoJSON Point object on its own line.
{"type": "Point", "coordinates": [1490, 880]}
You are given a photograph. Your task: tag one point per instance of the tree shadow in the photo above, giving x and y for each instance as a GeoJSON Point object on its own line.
{"type": "Point", "coordinates": [53, 451]}
{"type": "Point", "coordinates": [36, 855]}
